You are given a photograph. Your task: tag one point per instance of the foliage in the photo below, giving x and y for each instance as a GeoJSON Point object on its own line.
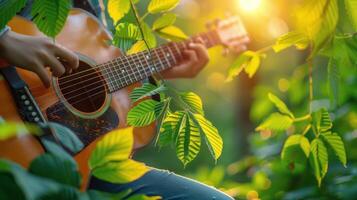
{"type": "Point", "coordinates": [110, 159]}
{"type": "Point", "coordinates": [50, 16]}
{"type": "Point", "coordinates": [8, 9]}
{"type": "Point", "coordinates": [316, 24]}
{"type": "Point", "coordinates": [181, 120]}
{"type": "Point", "coordinates": [179, 115]}
{"type": "Point", "coordinates": [55, 174]}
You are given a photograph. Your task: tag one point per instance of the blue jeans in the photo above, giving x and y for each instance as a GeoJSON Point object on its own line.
{"type": "Point", "coordinates": [165, 184]}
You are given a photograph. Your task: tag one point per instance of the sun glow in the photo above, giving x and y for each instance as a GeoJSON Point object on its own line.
{"type": "Point", "coordinates": [249, 5]}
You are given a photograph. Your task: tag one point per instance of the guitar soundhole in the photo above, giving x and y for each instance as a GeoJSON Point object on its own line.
{"type": "Point", "coordinates": [85, 89]}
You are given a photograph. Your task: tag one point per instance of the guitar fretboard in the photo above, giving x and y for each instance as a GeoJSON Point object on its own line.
{"type": "Point", "coordinates": [126, 70]}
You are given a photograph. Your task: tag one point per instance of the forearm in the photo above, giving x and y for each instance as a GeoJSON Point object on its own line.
{"type": "Point", "coordinates": [4, 31]}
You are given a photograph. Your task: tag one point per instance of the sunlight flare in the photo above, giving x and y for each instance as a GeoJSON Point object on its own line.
{"type": "Point", "coordinates": [249, 5]}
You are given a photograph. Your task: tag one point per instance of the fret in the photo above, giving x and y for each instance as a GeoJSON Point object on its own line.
{"type": "Point", "coordinates": [131, 70]}
{"type": "Point", "coordinates": [112, 71]}
{"type": "Point", "coordinates": [123, 69]}
{"type": "Point", "coordinates": [109, 82]}
{"type": "Point", "coordinates": [129, 67]}
{"type": "Point", "coordinates": [160, 62]}
{"type": "Point", "coordinates": [141, 64]}
{"type": "Point", "coordinates": [151, 63]}
{"type": "Point", "coordinates": [177, 49]}
{"type": "Point", "coordinates": [119, 72]}
{"type": "Point", "coordinates": [172, 55]}
{"type": "Point", "coordinates": [166, 56]}
{"type": "Point", "coordinates": [117, 80]}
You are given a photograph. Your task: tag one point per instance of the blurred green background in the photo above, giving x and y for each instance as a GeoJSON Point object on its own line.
{"type": "Point", "coordinates": [250, 166]}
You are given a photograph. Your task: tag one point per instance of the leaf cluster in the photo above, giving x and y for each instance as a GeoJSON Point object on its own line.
{"type": "Point", "coordinates": [180, 120]}
{"type": "Point", "coordinates": [55, 174]}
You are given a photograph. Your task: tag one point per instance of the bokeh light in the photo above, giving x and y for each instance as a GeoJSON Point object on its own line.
{"type": "Point", "coordinates": [283, 85]}
{"type": "Point", "coordinates": [249, 5]}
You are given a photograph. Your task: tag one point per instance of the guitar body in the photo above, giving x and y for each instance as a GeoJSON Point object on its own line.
{"type": "Point", "coordinates": [89, 118]}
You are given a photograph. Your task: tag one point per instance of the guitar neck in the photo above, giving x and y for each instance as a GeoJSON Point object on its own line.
{"type": "Point", "coordinates": [126, 70]}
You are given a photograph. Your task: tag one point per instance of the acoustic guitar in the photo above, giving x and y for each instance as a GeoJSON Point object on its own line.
{"type": "Point", "coordinates": [95, 99]}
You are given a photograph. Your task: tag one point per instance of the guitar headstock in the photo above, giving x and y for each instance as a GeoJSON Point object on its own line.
{"type": "Point", "coordinates": [232, 33]}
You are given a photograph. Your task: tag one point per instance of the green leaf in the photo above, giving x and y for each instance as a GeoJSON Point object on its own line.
{"type": "Point", "coordinates": [295, 152]}
{"type": "Point", "coordinates": [319, 159]}
{"type": "Point", "coordinates": [165, 20]}
{"type": "Point", "coordinates": [65, 136]}
{"type": "Point", "coordinates": [322, 121]}
{"type": "Point", "coordinates": [9, 189]}
{"type": "Point", "coordinates": [170, 128]}
{"type": "Point", "coordinates": [120, 172]}
{"type": "Point", "coordinates": [143, 197]}
{"type": "Point", "coordinates": [56, 168]}
{"type": "Point", "coordinates": [252, 65]}
{"type": "Point", "coordinates": [188, 140]}
{"type": "Point", "coordinates": [146, 90]}
{"type": "Point", "coordinates": [351, 8]}
{"type": "Point", "coordinates": [193, 101]}
{"type": "Point", "coordinates": [156, 6]}
{"type": "Point", "coordinates": [299, 140]}
{"type": "Point", "coordinates": [275, 122]}
{"type": "Point", "coordinates": [249, 61]}
{"type": "Point", "coordinates": [50, 16]}
{"type": "Point", "coordinates": [211, 135]}
{"type": "Point", "coordinates": [172, 33]}
{"type": "Point", "coordinates": [8, 10]}
{"type": "Point", "coordinates": [127, 195]}
{"type": "Point", "coordinates": [115, 146]}
{"type": "Point", "coordinates": [318, 18]}
{"type": "Point", "coordinates": [335, 141]}
{"type": "Point", "coordinates": [149, 36]}
{"type": "Point", "coordinates": [110, 159]}
{"type": "Point", "coordinates": [58, 151]}
{"type": "Point", "coordinates": [118, 8]}
{"type": "Point", "coordinates": [280, 105]}
{"type": "Point", "coordinates": [293, 38]}
{"type": "Point", "coordinates": [238, 65]}
{"type": "Point", "coordinates": [9, 130]}
{"type": "Point", "coordinates": [139, 46]}
{"type": "Point", "coordinates": [65, 193]}
{"type": "Point", "coordinates": [145, 113]}
{"type": "Point", "coordinates": [33, 187]}
{"type": "Point", "coordinates": [126, 35]}
{"type": "Point", "coordinates": [333, 80]}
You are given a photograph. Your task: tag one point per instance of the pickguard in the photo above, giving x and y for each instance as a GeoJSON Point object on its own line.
{"type": "Point", "coordinates": [87, 130]}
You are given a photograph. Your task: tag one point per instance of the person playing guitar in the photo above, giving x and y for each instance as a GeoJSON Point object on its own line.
{"type": "Point", "coordinates": [35, 54]}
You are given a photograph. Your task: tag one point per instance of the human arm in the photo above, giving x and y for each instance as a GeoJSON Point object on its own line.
{"type": "Point", "coordinates": [35, 54]}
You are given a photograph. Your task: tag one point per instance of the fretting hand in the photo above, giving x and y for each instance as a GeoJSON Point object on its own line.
{"type": "Point", "coordinates": [196, 58]}
{"type": "Point", "coordinates": [35, 54]}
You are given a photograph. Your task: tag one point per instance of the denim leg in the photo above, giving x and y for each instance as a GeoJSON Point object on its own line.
{"type": "Point", "coordinates": [165, 184]}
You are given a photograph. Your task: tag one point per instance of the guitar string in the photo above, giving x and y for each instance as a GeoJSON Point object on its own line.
{"type": "Point", "coordinates": [122, 86]}
{"type": "Point", "coordinates": [137, 71]}
{"type": "Point", "coordinates": [115, 83]}
{"type": "Point", "coordinates": [111, 68]}
{"type": "Point", "coordinates": [130, 73]}
{"type": "Point", "coordinates": [92, 96]}
{"type": "Point", "coordinates": [184, 42]}
{"type": "Point", "coordinates": [136, 78]}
